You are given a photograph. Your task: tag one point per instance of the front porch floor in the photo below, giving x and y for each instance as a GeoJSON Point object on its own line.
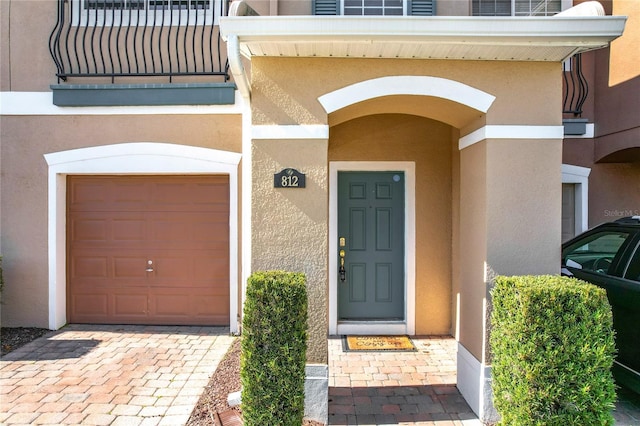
{"type": "Point", "coordinates": [397, 388]}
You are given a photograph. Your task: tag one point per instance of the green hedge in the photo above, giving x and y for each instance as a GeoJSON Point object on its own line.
{"type": "Point", "coordinates": [274, 346]}
{"type": "Point", "coordinates": [553, 346]}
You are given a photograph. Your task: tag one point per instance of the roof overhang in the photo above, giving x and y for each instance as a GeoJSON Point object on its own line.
{"type": "Point", "coordinates": [411, 37]}
{"type": "Point", "coordinates": [439, 37]}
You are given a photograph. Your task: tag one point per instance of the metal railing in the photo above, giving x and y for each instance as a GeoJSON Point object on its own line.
{"type": "Point", "coordinates": [138, 38]}
{"type": "Point", "coordinates": [576, 87]}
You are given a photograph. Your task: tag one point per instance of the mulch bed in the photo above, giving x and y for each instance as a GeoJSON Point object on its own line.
{"type": "Point", "coordinates": [11, 338]}
{"type": "Point", "coordinates": [225, 380]}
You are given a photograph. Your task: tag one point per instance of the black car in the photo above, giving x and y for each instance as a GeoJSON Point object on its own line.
{"type": "Point", "coordinates": [609, 256]}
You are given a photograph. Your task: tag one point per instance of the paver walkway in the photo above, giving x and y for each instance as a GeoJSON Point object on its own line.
{"type": "Point", "coordinates": [139, 375]}
{"type": "Point", "coordinates": [414, 388]}
{"type": "Point", "coordinates": [110, 375]}
{"type": "Point", "coordinates": [390, 388]}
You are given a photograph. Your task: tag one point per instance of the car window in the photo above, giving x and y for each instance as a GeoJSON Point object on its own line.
{"type": "Point", "coordinates": [633, 270]}
{"type": "Point", "coordinates": [595, 252]}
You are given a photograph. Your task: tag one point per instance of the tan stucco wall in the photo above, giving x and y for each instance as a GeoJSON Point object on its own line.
{"type": "Point", "coordinates": [625, 55]}
{"type": "Point", "coordinates": [510, 220]}
{"type": "Point", "coordinates": [520, 87]}
{"type": "Point", "coordinates": [290, 224]}
{"type": "Point", "coordinates": [394, 137]}
{"type": "Point", "coordinates": [25, 42]}
{"type": "Point", "coordinates": [25, 140]}
{"type": "Point", "coordinates": [4, 45]}
{"type": "Point", "coordinates": [614, 191]}
{"type": "Point", "coordinates": [473, 246]}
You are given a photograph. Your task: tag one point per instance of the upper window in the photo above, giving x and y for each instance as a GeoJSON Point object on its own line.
{"type": "Point", "coordinates": [373, 7]}
{"type": "Point", "coordinates": [146, 12]}
{"type": "Point", "coordinates": [517, 7]}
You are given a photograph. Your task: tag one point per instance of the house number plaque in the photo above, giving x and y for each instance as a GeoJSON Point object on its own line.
{"type": "Point", "coordinates": [289, 178]}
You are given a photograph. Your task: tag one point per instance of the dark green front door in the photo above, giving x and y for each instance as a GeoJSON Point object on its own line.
{"type": "Point", "coordinates": [371, 245]}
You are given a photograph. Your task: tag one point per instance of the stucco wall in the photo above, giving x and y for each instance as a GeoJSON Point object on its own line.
{"type": "Point", "coordinates": [25, 139]}
{"type": "Point", "coordinates": [625, 55]}
{"type": "Point", "coordinates": [4, 45]}
{"type": "Point", "coordinates": [473, 246]}
{"type": "Point", "coordinates": [286, 89]}
{"type": "Point", "coordinates": [614, 191]}
{"type": "Point", "coordinates": [510, 221]}
{"type": "Point", "coordinates": [290, 224]}
{"type": "Point", "coordinates": [394, 137]}
{"type": "Point", "coordinates": [27, 64]}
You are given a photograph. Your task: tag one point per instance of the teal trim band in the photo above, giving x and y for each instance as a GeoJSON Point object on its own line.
{"type": "Point", "coordinates": [76, 95]}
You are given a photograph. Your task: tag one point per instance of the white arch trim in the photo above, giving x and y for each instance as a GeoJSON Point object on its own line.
{"type": "Point", "coordinates": [132, 158]}
{"type": "Point", "coordinates": [407, 85]}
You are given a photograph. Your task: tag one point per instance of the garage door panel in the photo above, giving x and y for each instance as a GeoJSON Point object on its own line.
{"type": "Point", "coordinates": [196, 266]}
{"type": "Point", "coordinates": [126, 268]}
{"type": "Point", "coordinates": [107, 229]}
{"type": "Point", "coordinates": [129, 229]}
{"type": "Point", "coordinates": [203, 308]}
{"type": "Point", "coordinates": [127, 305]}
{"type": "Point", "coordinates": [90, 267]}
{"type": "Point", "coordinates": [89, 229]}
{"type": "Point", "coordinates": [90, 304]}
{"type": "Point", "coordinates": [191, 197]}
{"type": "Point", "coordinates": [86, 193]}
{"type": "Point", "coordinates": [207, 229]}
{"type": "Point", "coordinates": [117, 224]}
{"type": "Point", "coordinates": [212, 267]}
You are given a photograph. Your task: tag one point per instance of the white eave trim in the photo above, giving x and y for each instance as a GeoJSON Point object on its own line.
{"type": "Point", "coordinates": [579, 33]}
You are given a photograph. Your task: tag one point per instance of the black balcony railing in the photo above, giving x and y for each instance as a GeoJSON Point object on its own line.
{"type": "Point", "coordinates": [576, 88]}
{"type": "Point", "coordinates": [138, 38]}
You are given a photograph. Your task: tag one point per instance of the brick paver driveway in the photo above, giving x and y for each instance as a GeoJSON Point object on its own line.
{"type": "Point", "coordinates": [110, 375]}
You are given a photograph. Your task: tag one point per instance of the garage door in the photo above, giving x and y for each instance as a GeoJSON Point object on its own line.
{"type": "Point", "coordinates": [148, 250]}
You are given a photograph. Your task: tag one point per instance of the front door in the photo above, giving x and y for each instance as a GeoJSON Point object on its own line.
{"type": "Point", "coordinates": [371, 246]}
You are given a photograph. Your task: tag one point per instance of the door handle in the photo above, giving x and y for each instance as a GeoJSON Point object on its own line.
{"type": "Point", "coordinates": [341, 270]}
{"type": "Point", "coordinates": [149, 266]}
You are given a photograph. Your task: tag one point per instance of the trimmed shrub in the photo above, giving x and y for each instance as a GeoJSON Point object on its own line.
{"type": "Point", "coordinates": [274, 347]}
{"type": "Point", "coordinates": [553, 346]}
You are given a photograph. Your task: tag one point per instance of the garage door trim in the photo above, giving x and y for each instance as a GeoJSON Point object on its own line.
{"type": "Point", "coordinates": [132, 158]}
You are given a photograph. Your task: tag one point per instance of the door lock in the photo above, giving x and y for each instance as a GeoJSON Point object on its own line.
{"type": "Point", "coordinates": [149, 266]}
{"type": "Point", "coordinates": [341, 270]}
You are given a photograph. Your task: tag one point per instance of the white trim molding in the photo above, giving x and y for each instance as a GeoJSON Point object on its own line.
{"type": "Point", "coordinates": [474, 384]}
{"type": "Point", "coordinates": [407, 326]}
{"type": "Point", "coordinates": [407, 85]}
{"type": "Point", "coordinates": [41, 103]}
{"type": "Point", "coordinates": [280, 132]}
{"type": "Point", "coordinates": [510, 132]}
{"type": "Point", "coordinates": [579, 176]}
{"type": "Point", "coordinates": [132, 158]}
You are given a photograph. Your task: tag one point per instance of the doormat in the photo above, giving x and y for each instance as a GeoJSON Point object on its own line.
{"type": "Point", "coordinates": [377, 343]}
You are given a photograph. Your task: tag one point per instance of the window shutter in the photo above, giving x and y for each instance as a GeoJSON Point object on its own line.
{"type": "Point", "coordinates": [422, 7]}
{"type": "Point", "coordinates": [325, 7]}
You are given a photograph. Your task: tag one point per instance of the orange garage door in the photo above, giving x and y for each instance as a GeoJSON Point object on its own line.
{"type": "Point", "coordinates": [148, 249]}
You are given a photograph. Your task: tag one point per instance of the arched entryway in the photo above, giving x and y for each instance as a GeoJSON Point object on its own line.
{"type": "Point", "coordinates": [409, 125]}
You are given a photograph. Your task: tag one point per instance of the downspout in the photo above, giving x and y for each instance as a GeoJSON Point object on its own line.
{"type": "Point", "coordinates": [236, 66]}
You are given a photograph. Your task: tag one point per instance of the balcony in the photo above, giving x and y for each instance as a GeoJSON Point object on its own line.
{"type": "Point", "coordinates": [140, 52]}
